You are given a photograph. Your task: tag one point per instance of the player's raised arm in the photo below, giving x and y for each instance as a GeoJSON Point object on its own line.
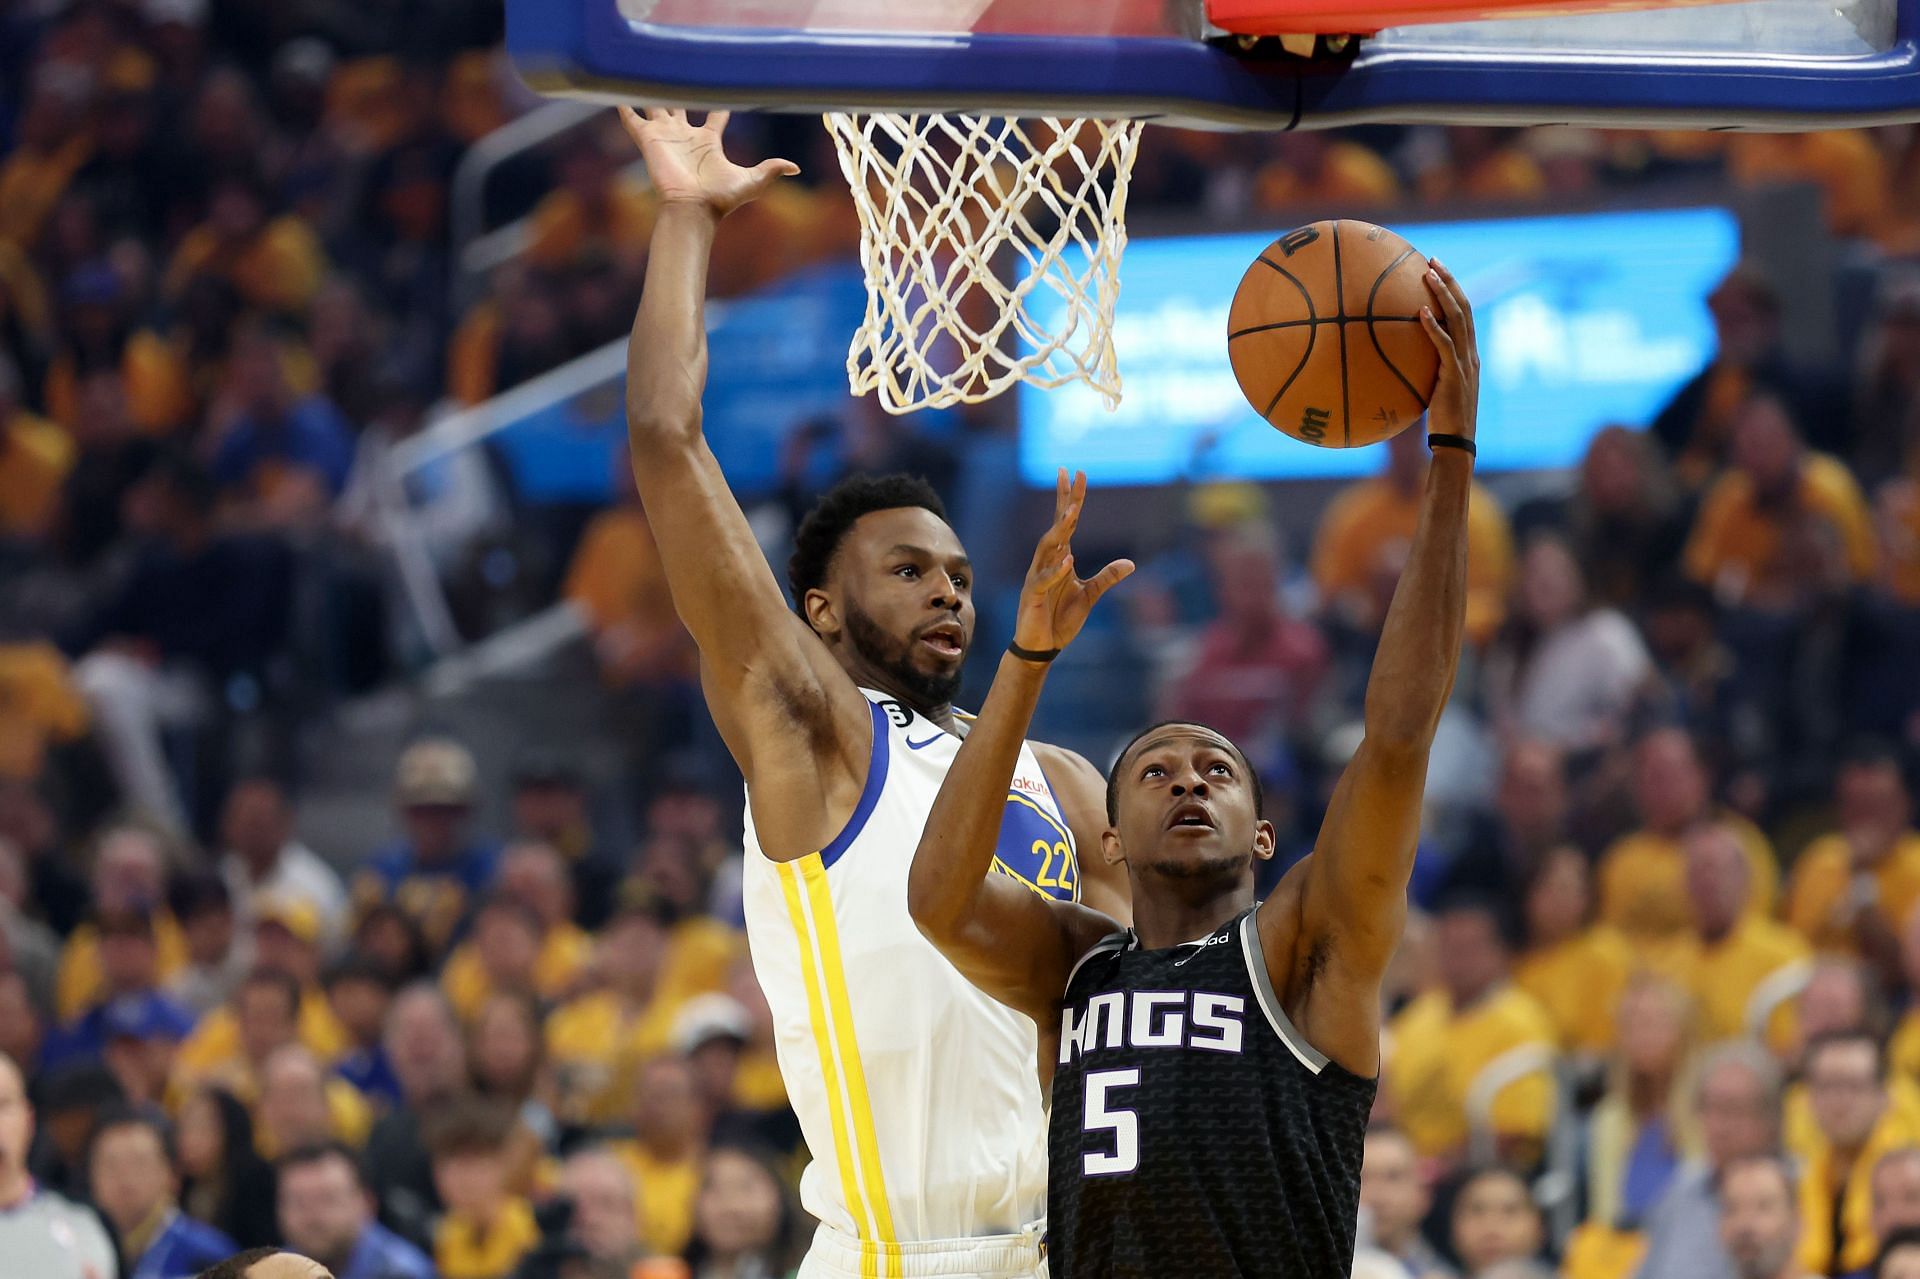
{"type": "Point", "coordinates": [756, 655]}
{"type": "Point", "coordinates": [1009, 940]}
{"type": "Point", "coordinates": [1329, 961]}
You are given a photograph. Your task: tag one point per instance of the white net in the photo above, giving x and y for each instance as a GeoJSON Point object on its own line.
{"type": "Point", "coordinates": [991, 248]}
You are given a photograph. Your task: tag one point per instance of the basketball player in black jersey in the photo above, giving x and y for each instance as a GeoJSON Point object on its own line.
{"type": "Point", "coordinates": [1211, 1069]}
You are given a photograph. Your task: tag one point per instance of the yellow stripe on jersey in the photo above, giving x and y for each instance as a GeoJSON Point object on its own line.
{"type": "Point", "coordinates": [814, 872]}
{"type": "Point", "coordinates": [1066, 838]}
{"type": "Point", "coordinates": [822, 1040]}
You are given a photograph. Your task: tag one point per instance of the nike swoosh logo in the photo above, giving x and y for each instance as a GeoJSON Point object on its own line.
{"type": "Point", "coordinates": [915, 746]}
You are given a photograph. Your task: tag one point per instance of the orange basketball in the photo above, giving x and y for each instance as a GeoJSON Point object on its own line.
{"type": "Point", "coordinates": [1325, 334]}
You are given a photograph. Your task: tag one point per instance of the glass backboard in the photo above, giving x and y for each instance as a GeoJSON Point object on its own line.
{"type": "Point", "coordinates": [1748, 64]}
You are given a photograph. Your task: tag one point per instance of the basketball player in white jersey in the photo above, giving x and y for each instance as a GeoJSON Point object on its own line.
{"type": "Point", "coordinates": [916, 1092]}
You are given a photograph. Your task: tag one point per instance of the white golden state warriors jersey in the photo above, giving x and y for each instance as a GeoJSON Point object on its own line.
{"type": "Point", "coordinates": [917, 1093]}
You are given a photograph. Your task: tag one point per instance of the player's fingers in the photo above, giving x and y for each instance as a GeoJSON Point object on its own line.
{"type": "Point", "coordinates": [767, 170]}
{"type": "Point", "coordinates": [629, 121]}
{"type": "Point", "coordinates": [717, 121]}
{"type": "Point", "coordinates": [1446, 302]}
{"type": "Point", "coordinates": [1441, 339]}
{"type": "Point", "coordinates": [1108, 578]}
{"type": "Point", "coordinates": [1460, 298]}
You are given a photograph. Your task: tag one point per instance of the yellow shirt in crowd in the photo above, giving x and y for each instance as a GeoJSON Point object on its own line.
{"type": "Point", "coordinates": [464, 1250]}
{"type": "Point", "coordinates": [35, 456]}
{"type": "Point", "coordinates": [1736, 537]}
{"type": "Point", "coordinates": [278, 270]}
{"type": "Point", "coordinates": [79, 983]}
{"type": "Point", "coordinates": [1437, 1055]}
{"type": "Point", "coordinates": [597, 1047]}
{"type": "Point", "coordinates": [212, 1053]}
{"type": "Point", "coordinates": [1820, 1182]}
{"type": "Point", "coordinates": [39, 706]}
{"type": "Point", "coordinates": [564, 952]}
{"type": "Point", "coordinates": [1818, 892]}
{"type": "Point", "coordinates": [1579, 983]}
{"type": "Point", "coordinates": [1370, 517]}
{"type": "Point", "coordinates": [1643, 884]}
{"type": "Point", "coordinates": [1735, 980]}
{"type": "Point", "coordinates": [664, 1192]}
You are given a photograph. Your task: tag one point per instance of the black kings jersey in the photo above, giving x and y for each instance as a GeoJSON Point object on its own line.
{"type": "Point", "coordinates": [1194, 1132]}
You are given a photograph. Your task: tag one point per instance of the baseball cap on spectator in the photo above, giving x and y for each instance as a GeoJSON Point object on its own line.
{"type": "Point", "coordinates": [435, 773]}
{"type": "Point", "coordinates": [144, 1016]}
{"type": "Point", "coordinates": [708, 1017]}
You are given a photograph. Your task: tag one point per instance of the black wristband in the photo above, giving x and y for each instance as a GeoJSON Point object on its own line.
{"type": "Point", "coordinates": [1460, 442]}
{"type": "Point", "coordinates": [1031, 655]}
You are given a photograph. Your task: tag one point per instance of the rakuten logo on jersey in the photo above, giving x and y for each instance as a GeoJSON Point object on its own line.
{"type": "Point", "coordinates": [1153, 1019]}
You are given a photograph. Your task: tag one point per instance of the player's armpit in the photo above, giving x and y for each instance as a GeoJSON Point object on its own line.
{"type": "Point", "coordinates": [1082, 793]}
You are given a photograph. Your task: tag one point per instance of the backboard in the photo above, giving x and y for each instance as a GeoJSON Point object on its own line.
{"type": "Point", "coordinates": [1754, 64]}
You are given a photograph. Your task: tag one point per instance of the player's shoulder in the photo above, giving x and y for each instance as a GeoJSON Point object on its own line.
{"type": "Point", "coordinates": [1064, 764]}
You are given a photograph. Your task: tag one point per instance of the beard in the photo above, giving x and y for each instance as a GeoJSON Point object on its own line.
{"type": "Point", "coordinates": [893, 657]}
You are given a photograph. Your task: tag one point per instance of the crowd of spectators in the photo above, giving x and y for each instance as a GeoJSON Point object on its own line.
{"type": "Point", "coordinates": [1656, 1014]}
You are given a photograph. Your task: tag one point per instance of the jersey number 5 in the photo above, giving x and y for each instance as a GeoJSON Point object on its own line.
{"type": "Point", "coordinates": [1103, 1116]}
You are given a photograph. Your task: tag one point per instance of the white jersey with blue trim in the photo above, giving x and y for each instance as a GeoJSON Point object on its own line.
{"type": "Point", "coordinates": [917, 1093]}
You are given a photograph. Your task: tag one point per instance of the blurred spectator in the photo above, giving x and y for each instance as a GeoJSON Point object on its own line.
{"type": "Point", "coordinates": [1698, 675]}
{"type": "Point", "coordinates": [1394, 1199]}
{"type": "Point", "coordinates": [215, 961]}
{"type": "Point", "coordinates": [1363, 538]}
{"type": "Point", "coordinates": [1472, 1019]}
{"type": "Point", "coordinates": [1565, 671]}
{"type": "Point", "coordinates": [500, 955]}
{"type": "Point", "coordinates": [53, 140]}
{"type": "Point", "coordinates": [110, 461]}
{"type": "Point", "coordinates": [1852, 889]}
{"type": "Point", "coordinates": [670, 1129]}
{"type": "Point", "coordinates": [509, 1066]}
{"type": "Point", "coordinates": [746, 1221]}
{"type": "Point", "coordinates": [223, 1180]}
{"type": "Point", "coordinates": [41, 1233]}
{"type": "Point", "coordinates": [1643, 874]}
{"type": "Point", "coordinates": [485, 1230]}
{"type": "Point", "coordinates": [532, 883]}
{"type": "Point", "coordinates": [423, 1043]}
{"type": "Point", "coordinates": [1577, 969]}
{"type": "Point", "coordinates": [1886, 388]}
{"type": "Point", "coordinates": [135, 1186]}
{"type": "Point", "coordinates": [35, 456]}
{"type": "Point", "coordinates": [598, 207]}
{"type": "Point", "coordinates": [437, 868]}
{"type": "Point", "coordinates": [1847, 1086]}
{"type": "Point", "coordinates": [1625, 521]}
{"type": "Point", "coordinates": [275, 263]}
{"type": "Point", "coordinates": [1760, 1225]}
{"type": "Point", "coordinates": [1255, 669]}
{"type": "Point", "coordinates": [605, 1220]}
{"type": "Point", "coordinates": [231, 1045]}
{"type": "Point", "coordinates": [1896, 1194]}
{"type": "Point", "coordinates": [1899, 1258]}
{"type": "Point", "coordinates": [551, 807]}
{"type": "Point", "coordinates": [326, 1213]}
{"type": "Point", "coordinates": [1322, 170]}
{"type": "Point", "coordinates": [1844, 164]}
{"type": "Point", "coordinates": [31, 948]}
{"type": "Point", "coordinates": [1495, 1220]}
{"type": "Point", "coordinates": [1738, 1101]}
{"type": "Point", "coordinates": [109, 362]}
{"type": "Point", "coordinates": [360, 994]}
{"type": "Point", "coordinates": [196, 609]}
{"type": "Point", "coordinates": [1784, 522]}
{"type": "Point", "coordinates": [598, 1040]}
{"type": "Point", "coordinates": [1641, 1130]}
{"type": "Point", "coordinates": [1476, 164]}
{"type": "Point", "coordinates": [265, 862]}
{"type": "Point", "coordinates": [1507, 849]}
{"type": "Point", "coordinates": [391, 939]}
{"type": "Point", "coordinates": [1743, 969]}
{"type": "Point", "coordinates": [129, 879]}
{"type": "Point", "coordinates": [301, 1106]}
{"type": "Point", "coordinates": [130, 1003]}
{"type": "Point", "coordinates": [279, 457]}
{"type": "Point", "coordinates": [1697, 425]}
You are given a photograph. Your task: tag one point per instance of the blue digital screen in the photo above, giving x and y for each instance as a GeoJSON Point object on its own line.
{"type": "Point", "coordinates": [1584, 320]}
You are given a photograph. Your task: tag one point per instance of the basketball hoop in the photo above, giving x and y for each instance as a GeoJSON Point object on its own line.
{"type": "Point", "coordinates": [949, 202]}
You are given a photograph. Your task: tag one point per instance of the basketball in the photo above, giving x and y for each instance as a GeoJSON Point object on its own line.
{"type": "Point", "coordinates": [1325, 334]}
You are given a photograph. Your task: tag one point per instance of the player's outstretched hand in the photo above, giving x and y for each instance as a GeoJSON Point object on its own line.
{"type": "Point", "coordinates": [685, 162]}
{"type": "Point", "coordinates": [1054, 603]}
{"type": "Point", "coordinates": [1449, 324]}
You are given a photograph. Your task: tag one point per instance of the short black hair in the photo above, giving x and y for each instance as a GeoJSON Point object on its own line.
{"type": "Point", "coordinates": [1113, 774]}
{"type": "Point", "coordinates": [826, 525]}
{"type": "Point", "coordinates": [1906, 1237]}
{"type": "Point", "coordinates": [124, 1115]}
{"type": "Point", "coordinates": [199, 893]}
{"type": "Point", "coordinates": [319, 1152]}
{"type": "Point", "coordinates": [236, 1266]}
